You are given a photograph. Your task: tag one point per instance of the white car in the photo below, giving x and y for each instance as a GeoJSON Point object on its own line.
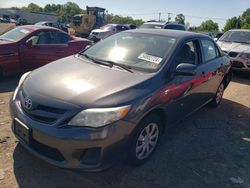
{"type": "Point", "coordinates": [105, 31]}
{"type": "Point", "coordinates": [236, 43]}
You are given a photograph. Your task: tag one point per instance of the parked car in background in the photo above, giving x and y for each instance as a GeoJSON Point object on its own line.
{"type": "Point", "coordinates": [152, 25]}
{"type": "Point", "coordinates": [175, 26]}
{"type": "Point", "coordinates": [218, 35]}
{"type": "Point", "coordinates": [116, 98]}
{"type": "Point", "coordinates": [27, 47]}
{"type": "Point", "coordinates": [163, 25]}
{"type": "Point", "coordinates": [106, 31]}
{"type": "Point", "coordinates": [131, 26]}
{"type": "Point", "coordinates": [236, 43]}
{"type": "Point", "coordinates": [54, 24]}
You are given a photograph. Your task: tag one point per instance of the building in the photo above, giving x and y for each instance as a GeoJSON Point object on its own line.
{"type": "Point", "coordinates": [30, 17]}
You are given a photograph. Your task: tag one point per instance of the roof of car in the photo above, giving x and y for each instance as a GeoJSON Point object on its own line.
{"type": "Point", "coordinates": [169, 33]}
{"type": "Point", "coordinates": [38, 27]}
{"type": "Point", "coordinates": [154, 23]}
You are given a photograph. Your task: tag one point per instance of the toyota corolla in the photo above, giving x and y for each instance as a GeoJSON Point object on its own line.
{"type": "Point", "coordinates": [116, 98]}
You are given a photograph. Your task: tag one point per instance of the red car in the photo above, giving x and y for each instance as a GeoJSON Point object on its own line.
{"type": "Point", "coordinates": [28, 47]}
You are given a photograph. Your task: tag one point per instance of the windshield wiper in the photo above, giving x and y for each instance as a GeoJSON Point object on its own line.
{"type": "Point", "coordinates": [94, 59]}
{"type": "Point", "coordinates": [112, 63]}
{"type": "Point", "coordinates": [107, 63]}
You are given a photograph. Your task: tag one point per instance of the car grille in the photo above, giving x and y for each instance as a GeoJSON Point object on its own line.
{"type": "Point", "coordinates": [95, 33]}
{"type": "Point", "coordinates": [233, 54]}
{"type": "Point", "coordinates": [43, 113]}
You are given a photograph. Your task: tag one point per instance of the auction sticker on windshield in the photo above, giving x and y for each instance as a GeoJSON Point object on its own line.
{"type": "Point", "coordinates": [150, 58]}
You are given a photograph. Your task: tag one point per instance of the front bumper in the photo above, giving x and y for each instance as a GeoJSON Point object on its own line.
{"type": "Point", "coordinates": [91, 149]}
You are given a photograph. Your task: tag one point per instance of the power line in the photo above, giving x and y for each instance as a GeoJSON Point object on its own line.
{"type": "Point", "coordinates": [169, 15]}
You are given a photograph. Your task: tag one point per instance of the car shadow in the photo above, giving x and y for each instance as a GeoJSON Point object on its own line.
{"type": "Point", "coordinates": [8, 84]}
{"type": "Point", "coordinates": [207, 149]}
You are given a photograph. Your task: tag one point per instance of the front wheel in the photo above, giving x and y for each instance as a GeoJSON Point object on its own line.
{"type": "Point", "coordinates": [218, 96]}
{"type": "Point", "coordinates": [145, 140]}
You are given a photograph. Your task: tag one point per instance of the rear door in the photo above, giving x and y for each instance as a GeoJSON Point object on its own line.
{"type": "Point", "coordinates": [212, 66]}
{"type": "Point", "coordinates": [47, 46]}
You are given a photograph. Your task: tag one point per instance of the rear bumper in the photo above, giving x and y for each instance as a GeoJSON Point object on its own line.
{"type": "Point", "coordinates": [70, 147]}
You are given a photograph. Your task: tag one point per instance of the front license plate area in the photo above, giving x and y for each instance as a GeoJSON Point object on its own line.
{"type": "Point", "coordinates": [22, 131]}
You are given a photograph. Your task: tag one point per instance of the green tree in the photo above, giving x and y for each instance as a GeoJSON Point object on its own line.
{"type": "Point", "coordinates": [246, 19]}
{"type": "Point", "coordinates": [32, 7]}
{"type": "Point", "coordinates": [116, 19]}
{"type": "Point", "coordinates": [232, 23]}
{"type": "Point", "coordinates": [209, 25]}
{"type": "Point", "coordinates": [180, 18]}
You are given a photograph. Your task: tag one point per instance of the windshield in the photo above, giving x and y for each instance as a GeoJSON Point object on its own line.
{"type": "Point", "coordinates": [236, 36]}
{"type": "Point", "coordinates": [151, 26]}
{"type": "Point", "coordinates": [145, 52]}
{"type": "Point", "coordinates": [15, 34]}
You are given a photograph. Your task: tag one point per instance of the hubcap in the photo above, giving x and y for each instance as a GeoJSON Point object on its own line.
{"type": "Point", "coordinates": [147, 141]}
{"type": "Point", "coordinates": [219, 93]}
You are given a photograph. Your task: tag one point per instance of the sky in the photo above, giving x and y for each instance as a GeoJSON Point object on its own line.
{"type": "Point", "coordinates": [195, 11]}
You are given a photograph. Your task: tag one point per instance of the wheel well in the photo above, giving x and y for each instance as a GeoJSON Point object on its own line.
{"type": "Point", "coordinates": [159, 112]}
{"type": "Point", "coordinates": [228, 77]}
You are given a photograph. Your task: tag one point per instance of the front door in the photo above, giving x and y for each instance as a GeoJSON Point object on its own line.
{"type": "Point", "coordinates": [47, 46]}
{"type": "Point", "coordinates": [187, 92]}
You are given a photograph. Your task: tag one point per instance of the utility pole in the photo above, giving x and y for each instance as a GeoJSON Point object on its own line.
{"type": "Point", "coordinates": [169, 16]}
{"type": "Point", "coordinates": [159, 16]}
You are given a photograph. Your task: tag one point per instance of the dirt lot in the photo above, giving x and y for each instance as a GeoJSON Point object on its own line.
{"type": "Point", "coordinates": [211, 148]}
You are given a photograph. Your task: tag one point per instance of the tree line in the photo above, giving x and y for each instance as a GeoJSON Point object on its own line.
{"type": "Point", "coordinates": [66, 11]}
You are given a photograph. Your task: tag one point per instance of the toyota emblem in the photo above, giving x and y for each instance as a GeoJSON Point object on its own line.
{"type": "Point", "coordinates": [28, 104]}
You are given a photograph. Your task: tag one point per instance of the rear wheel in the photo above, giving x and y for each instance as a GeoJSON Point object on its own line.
{"type": "Point", "coordinates": [145, 140]}
{"type": "Point", "coordinates": [218, 96]}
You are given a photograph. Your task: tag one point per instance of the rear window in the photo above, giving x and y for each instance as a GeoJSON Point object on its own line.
{"type": "Point", "coordinates": [175, 27]}
{"type": "Point", "coordinates": [151, 26]}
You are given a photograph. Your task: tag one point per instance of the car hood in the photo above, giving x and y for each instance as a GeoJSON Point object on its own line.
{"type": "Point", "coordinates": [232, 46]}
{"type": "Point", "coordinates": [86, 84]}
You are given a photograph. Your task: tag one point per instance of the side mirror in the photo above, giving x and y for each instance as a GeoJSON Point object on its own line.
{"type": "Point", "coordinates": [29, 43]}
{"type": "Point", "coordinates": [185, 69]}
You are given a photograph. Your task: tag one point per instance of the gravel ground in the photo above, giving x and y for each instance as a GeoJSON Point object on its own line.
{"type": "Point", "coordinates": [211, 148]}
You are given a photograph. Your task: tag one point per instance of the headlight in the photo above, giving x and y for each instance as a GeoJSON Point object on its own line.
{"type": "Point", "coordinates": [245, 55]}
{"type": "Point", "coordinates": [24, 76]}
{"type": "Point", "coordinates": [98, 117]}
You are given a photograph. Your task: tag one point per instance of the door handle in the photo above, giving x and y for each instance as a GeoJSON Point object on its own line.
{"type": "Point", "coordinates": [60, 52]}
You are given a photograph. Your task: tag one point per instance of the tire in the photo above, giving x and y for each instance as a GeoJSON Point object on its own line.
{"type": "Point", "coordinates": [218, 96]}
{"type": "Point", "coordinates": [145, 139]}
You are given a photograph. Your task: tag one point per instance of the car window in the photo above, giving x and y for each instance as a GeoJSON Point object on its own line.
{"type": "Point", "coordinates": [188, 53]}
{"type": "Point", "coordinates": [175, 27]}
{"type": "Point", "coordinates": [121, 28]}
{"type": "Point", "coordinates": [55, 37]}
{"type": "Point", "coordinates": [43, 38]}
{"type": "Point", "coordinates": [209, 50]}
{"type": "Point", "coordinates": [59, 38]}
{"type": "Point", "coordinates": [16, 34]}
